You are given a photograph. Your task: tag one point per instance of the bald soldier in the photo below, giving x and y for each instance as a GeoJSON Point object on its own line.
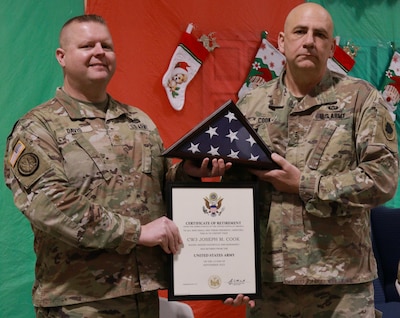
{"type": "Point", "coordinates": [335, 142]}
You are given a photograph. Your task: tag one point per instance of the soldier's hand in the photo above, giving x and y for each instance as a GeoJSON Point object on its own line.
{"type": "Point", "coordinates": [163, 232]}
{"type": "Point", "coordinates": [216, 168]}
{"type": "Point", "coordinates": [240, 300]}
{"type": "Point", "coordinates": [286, 179]}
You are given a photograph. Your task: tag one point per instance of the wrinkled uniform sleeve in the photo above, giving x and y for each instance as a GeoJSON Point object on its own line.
{"type": "Point", "coordinates": [177, 174]}
{"type": "Point", "coordinates": [368, 180]}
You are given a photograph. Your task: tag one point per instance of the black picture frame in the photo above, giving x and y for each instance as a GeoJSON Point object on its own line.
{"type": "Point", "coordinates": [220, 256]}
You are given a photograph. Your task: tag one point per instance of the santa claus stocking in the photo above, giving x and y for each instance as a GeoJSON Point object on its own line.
{"type": "Point", "coordinates": [186, 61]}
{"type": "Point", "coordinates": [391, 85]}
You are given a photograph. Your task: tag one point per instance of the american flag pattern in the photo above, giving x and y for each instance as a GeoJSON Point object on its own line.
{"type": "Point", "coordinates": [224, 134]}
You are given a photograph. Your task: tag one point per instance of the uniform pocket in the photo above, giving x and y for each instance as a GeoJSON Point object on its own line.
{"type": "Point", "coordinates": [143, 139]}
{"type": "Point", "coordinates": [83, 165]}
{"type": "Point", "coordinates": [319, 148]}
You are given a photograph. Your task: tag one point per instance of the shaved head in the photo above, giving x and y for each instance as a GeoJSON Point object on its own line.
{"type": "Point", "coordinates": [307, 43]}
{"type": "Point", "coordinates": [64, 34]}
{"type": "Point", "coordinates": [309, 9]}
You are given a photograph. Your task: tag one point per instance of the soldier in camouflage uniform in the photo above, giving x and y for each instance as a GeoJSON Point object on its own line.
{"type": "Point", "coordinates": [86, 171]}
{"type": "Point", "coordinates": [336, 144]}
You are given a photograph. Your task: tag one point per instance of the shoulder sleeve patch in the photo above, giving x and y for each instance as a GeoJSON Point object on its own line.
{"type": "Point", "coordinates": [28, 163]}
{"type": "Point", "coordinates": [16, 152]}
{"type": "Point", "coordinates": [388, 127]}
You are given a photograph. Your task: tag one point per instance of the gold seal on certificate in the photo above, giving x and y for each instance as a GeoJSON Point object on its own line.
{"type": "Point", "coordinates": [220, 253]}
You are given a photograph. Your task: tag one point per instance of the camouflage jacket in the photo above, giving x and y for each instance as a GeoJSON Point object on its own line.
{"type": "Point", "coordinates": [343, 140]}
{"type": "Point", "coordinates": [87, 180]}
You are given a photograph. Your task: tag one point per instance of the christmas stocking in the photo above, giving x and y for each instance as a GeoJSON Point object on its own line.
{"type": "Point", "coordinates": [186, 61]}
{"type": "Point", "coordinates": [268, 64]}
{"type": "Point", "coordinates": [391, 85]}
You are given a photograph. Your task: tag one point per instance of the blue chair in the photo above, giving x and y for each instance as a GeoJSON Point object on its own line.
{"type": "Point", "coordinates": [385, 226]}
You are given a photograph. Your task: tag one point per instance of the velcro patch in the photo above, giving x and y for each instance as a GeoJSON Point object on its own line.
{"type": "Point", "coordinates": [28, 164]}
{"type": "Point", "coordinates": [16, 153]}
{"type": "Point", "coordinates": [388, 127]}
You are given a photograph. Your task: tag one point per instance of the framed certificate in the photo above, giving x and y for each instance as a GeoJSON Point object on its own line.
{"type": "Point", "coordinates": [220, 257]}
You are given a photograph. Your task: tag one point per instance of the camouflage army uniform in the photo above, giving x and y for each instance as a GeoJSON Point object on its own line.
{"type": "Point", "coordinates": [86, 180]}
{"type": "Point", "coordinates": [343, 140]}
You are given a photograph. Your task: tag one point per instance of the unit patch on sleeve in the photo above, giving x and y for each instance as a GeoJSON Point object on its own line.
{"type": "Point", "coordinates": [28, 164]}
{"type": "Point", "coordinates": [389, 128]}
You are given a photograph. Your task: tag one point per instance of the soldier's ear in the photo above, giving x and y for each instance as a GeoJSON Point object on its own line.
{"type": "Point", "coordinates": [60, 54]}
{"type": "Point", "coordinates": [281, 41]}
{"type": "Point", "coordinates": [333, 48]}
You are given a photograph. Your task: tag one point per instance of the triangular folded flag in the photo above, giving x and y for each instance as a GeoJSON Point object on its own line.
{"type": "Point", "coordinates": [391, 84]}
{"type": "Point", "coordinates": [225, 134]}
{"type": "Point", "coordinates": [268, 64]}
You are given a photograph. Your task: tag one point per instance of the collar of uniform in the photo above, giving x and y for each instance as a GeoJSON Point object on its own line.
{"type": "Point", "coordinates": [117, 109]}
{"type": "Point", "coordinates": [278, 90]}
{"type": "Point", "coordinates": [322, 94]}
{"type": "Point", "coordinates": [80, 110]}
{"type": "Point", "coordinates": [77, 109]}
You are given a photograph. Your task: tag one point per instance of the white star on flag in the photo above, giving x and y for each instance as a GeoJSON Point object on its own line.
{"type": "Point", "coordinates": [232, 135]}
{"type": "Point", "coordinates": [234, 154]}
{"type": "Point", "coordinates": [253, 158]}
{"type": "Point", "coordinates": [212, 131]}
{"type": "Point", "coordinates": [230, 116]}
{"type": "Point", "coordinates": [194, 148]}
{"type": "Point", "coordinates": [251, 140]}
{"type": "Point", "coordinates": [213, 151]}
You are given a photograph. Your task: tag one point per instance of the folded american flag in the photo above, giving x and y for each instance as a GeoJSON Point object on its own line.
{"type": "Point", "coordinates": [224, 134]}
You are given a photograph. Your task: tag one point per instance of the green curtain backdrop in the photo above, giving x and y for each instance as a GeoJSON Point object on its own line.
{"type": "Point", "coordinates": [29, 75]}
{"type": "Point", "coordinates": [374, 27]}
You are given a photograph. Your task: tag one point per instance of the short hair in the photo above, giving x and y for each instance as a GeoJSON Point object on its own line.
{"type": "Point", "coordinates": [81, 19]}
{"type": "Point", "coordinates": [85, 18]}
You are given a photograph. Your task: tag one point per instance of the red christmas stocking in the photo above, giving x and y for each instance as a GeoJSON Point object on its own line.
{"type": "Point", "coordinates": [185, 63]}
